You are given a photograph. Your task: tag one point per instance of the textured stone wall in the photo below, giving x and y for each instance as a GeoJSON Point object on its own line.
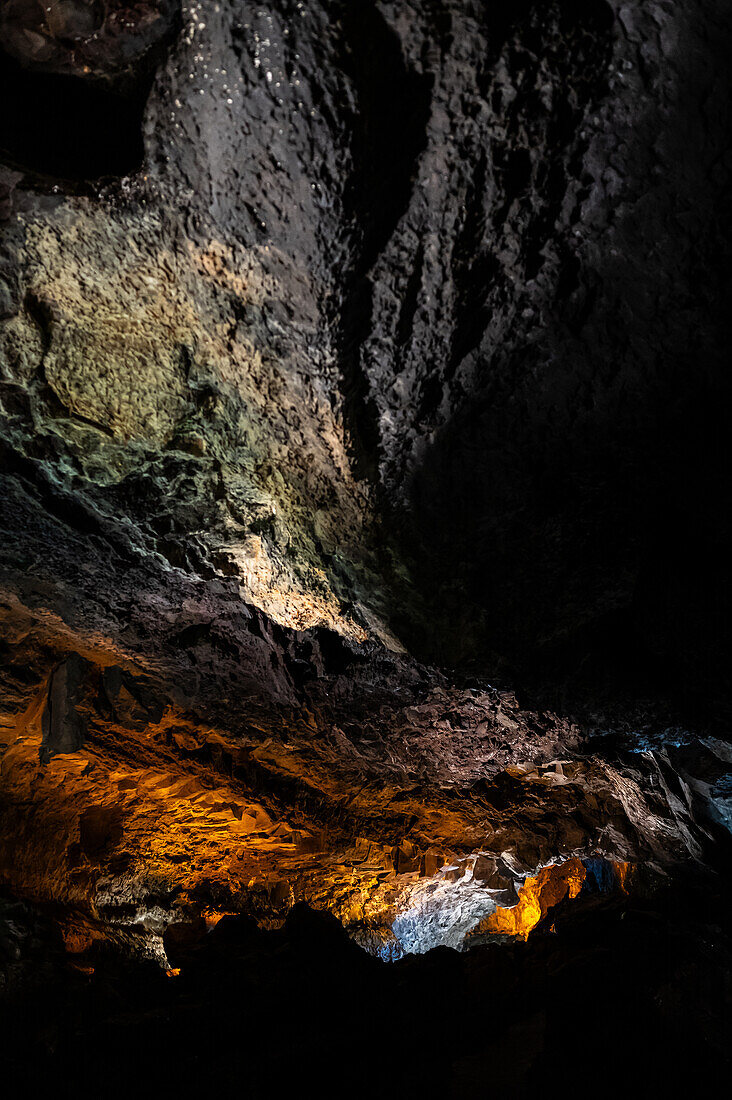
{"type": "Point", "coordinates": [408, 318]}
{"type": "Point", "coordinates": [336, 338]}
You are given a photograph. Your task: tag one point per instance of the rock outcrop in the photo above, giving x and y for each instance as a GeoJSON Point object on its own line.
{"type": "Point", "coordinates": [363, 398]}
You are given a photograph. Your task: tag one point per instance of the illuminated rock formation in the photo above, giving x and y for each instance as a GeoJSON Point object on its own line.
{"type": "Point", "coordinates": [364, 558]}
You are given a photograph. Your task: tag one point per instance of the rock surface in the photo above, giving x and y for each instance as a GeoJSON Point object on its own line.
{"type": "Point", "coordinates": [364, 541]}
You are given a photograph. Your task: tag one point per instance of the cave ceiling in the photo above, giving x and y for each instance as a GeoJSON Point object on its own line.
{"type": "Point", "coordinates": [365, 528]}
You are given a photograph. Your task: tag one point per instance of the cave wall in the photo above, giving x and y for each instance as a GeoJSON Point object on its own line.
{"type": "Point", "coordinates": [583, 431]}
{"type": "Point", "coordinates": [405, 318]}
{"type": "Point", "coordinates": [385, 339]}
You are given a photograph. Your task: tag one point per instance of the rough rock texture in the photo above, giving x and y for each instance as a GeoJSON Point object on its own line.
{"type": "Point", "coordinates": [482, 319]}
{"type": "Point", "coordinates": [357, 356]}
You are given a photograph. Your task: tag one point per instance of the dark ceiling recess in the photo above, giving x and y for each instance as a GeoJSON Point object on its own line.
{"type": "Point", "coordinates": [69, 127]}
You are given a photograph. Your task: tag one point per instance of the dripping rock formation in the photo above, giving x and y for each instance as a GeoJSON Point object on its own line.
{"type": "Point", "coordinates": [365, 586]}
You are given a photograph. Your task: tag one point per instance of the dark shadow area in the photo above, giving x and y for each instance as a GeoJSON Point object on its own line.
{"type": "Point", "coordinates": [69, 127]}
{"type": "Point", "coordinates": [571, 522]}
{"type": "Point", "coordinates": [74, 81]}
{"type": "Point", "coordinates": [388, 134]}
{"type": "Point", "coordinates": [625, 998]}
{"type": "Point", "coordinates": [593, 561]}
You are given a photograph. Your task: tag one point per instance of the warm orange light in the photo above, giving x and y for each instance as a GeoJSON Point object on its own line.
{"type": "Point", "coordinates": [212, 918]}
{"type": "Point", "coordinates": [77, 940]}
{"type": "Point", "coordinates": [542, 891]}
{"type": "Point", "coordinates": [623, 872]}
{"type": "Point", "coordinates": [88, 970]}
{"type": "Point", "coordinates": [537, 895]}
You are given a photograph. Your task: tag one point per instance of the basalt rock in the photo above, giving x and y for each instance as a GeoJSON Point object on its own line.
{"type": "Point", "coordinates": [63, 728]}
{"type": "Point", "coordinates": [364, 543]}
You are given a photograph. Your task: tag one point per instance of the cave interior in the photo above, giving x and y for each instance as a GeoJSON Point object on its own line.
{"type": "Point", "coordinates": [366, 548]}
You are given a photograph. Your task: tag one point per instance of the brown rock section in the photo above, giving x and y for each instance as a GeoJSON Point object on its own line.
{"type": "Point", "coordinates": [329, 332]}
{"type": "Point", "coordinates": [146, 813]}
{"type": "Point", "coordinates": [543, 892]}
{"type": "Point", "coordinates": [63, 728]}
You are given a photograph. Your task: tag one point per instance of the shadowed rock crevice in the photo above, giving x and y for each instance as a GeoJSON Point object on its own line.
{"type": "Point", "coordinates": [568, 436]}
{"type": "Point", "coordinates": [69, 127]}
{"type": "Point", "coordinates": [385, 146]}
{"type": "Point", "coordinates": [75, 78]}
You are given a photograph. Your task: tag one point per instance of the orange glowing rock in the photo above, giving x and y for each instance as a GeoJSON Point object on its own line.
{"type": "Point", "coordinates": [212, 918]}
{"type": "Point", "coordinates": [542, 891]}
{"type": "Point", "coordinates": [88, 970]}
{"type": "Point", "coordinates": [623, 872]}
{"type": "Point", "coordinates": [77, 940]}
{"type": "Point", "coordinates": [157, 801]}
{"type": "Point", "coordinates": [537, 895]}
